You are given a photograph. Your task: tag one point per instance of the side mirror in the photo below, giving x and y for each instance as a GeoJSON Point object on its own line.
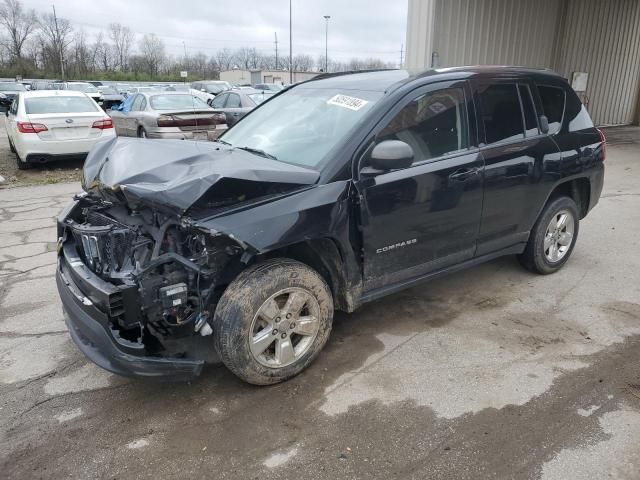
{"type": "Point", "coordinates": [391, 155]}
{"type": "Point", "coordinates": [544, 124]}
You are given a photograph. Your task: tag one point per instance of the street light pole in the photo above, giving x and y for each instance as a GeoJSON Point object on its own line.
{"type": "Point", "coordinates": [326, 44]}
{"type": "Point", "coordinates": [290, 46]}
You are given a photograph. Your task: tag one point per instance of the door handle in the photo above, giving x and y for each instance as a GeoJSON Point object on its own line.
{"type": "Point", "coordinates": [463, 174]}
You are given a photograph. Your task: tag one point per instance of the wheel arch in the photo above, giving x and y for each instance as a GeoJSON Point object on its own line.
{"type": "Point", "coordinates": [325, 257]}
{"type": "Point", "coordinates": [577, 188]}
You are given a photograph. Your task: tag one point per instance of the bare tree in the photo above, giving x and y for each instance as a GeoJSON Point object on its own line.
{"type": "Point", "coordinates": [82, 54]}
{"type": "Point", "coordinates": [152, 50]}
{"type": "Point", "coordinates": [19, 24]}
{"type": "Point", "coordinates": [103, 53]}
{"type": "Point", "coordinates": [225, 59]}
{"type": "Point", "coordinates": [302, 63]}
{"type": "Point", "coordinates": [122, 38]}
{"type": "Point", "coordinates": [56, 36]}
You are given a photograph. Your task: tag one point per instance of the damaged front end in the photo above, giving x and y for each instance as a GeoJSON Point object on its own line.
{"type": "Point", "coordinates": [138, 279]}
{"type": "Point", "coordinates": [150, 280]}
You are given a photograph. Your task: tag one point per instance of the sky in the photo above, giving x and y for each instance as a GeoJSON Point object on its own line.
{"type": "Point", "coordinates": [357, 28]}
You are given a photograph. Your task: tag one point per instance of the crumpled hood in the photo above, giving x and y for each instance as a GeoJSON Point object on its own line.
{"type": "Point", "coordinates": [177, 173]}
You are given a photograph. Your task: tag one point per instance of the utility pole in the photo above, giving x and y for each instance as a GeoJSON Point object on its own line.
{"type": "Point", "coordinates": [185, 52]}
{"type": "Point", "coordinates": [290, 44]}
{"type": "Point", "coordinates": [55, 21]}
{"type": "Point", "coordinates": [275, 34]}
{"type": "Point", "coordinates": [401, 54]}
{"type": "Point", "coordinates": [326, 44]}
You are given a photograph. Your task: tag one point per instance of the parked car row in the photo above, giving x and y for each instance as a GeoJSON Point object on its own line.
{"type": "Point", "coordinates": [63, 120]}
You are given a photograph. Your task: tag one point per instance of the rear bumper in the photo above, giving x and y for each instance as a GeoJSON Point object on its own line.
{"type": "Point", "coordinates": [597, 183]}
{"type": "Point", "coordinates": [89, 330]}
{"type": "Point", "coordinates": [180, 135]}
{"type": "Point", "coordinates": [47, 157]}
{"type": "Point", "coordinates": [32, 148]}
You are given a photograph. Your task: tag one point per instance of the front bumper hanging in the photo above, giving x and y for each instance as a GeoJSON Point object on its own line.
{"type": "Point", "coordinates": [81, 291]}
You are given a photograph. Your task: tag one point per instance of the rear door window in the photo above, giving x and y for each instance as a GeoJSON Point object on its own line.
{"type": "Point", "coordinates": [137, 103]}
{"type": "Point", "coordinates": [233, 101]}
{"type": "Point", "coordinates": [501, 112]}
{"type": "Point", "coordinates": [553, 100]}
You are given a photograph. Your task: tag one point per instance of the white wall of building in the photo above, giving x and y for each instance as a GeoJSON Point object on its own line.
{"type": "Point", "coordinates": [240, 77]}
{"type": "Point", "coordinates": [600, 37]}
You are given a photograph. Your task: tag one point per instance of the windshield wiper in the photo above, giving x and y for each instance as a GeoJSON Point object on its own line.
{"type": "Point", "coordinates": [257, 151]}
{"type": "Point", "coordinates": [222, 142]}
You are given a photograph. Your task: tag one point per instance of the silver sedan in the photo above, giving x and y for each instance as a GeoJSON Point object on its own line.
{"type": "Point", "coordinates": [173, 115]}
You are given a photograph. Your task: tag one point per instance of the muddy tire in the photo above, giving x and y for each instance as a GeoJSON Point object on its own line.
{"type": "Point", "coordinates": [272, 321]}
{"type": "Point", "coordinates": [553, 237]}
{"type": "Point", "coordinates": [20, 164]}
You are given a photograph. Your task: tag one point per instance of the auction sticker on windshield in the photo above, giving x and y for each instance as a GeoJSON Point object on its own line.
{"type": "Point", "coordinates": [352, 103]}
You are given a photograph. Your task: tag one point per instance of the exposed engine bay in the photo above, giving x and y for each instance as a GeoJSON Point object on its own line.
{"type": "Point", "coordinates": [169, 272]}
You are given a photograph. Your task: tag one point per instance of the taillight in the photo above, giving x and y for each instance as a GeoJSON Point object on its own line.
{"type": "Point", "coordinates": [103, 124]}
{"type": "Point", "coordinates": [603, 139]}
{"type": "Point", "coordinates": [28, 127]}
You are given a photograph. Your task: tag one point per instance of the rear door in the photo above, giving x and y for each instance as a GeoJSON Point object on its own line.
{"type": "Point", "coordinates": [514, 152]}
{"type": "Point", "coordinates": [134, 116]}
{"type": "Point", "coordinates": [233, 108]}
{"type": "Point", "coordinates": [425, 217]}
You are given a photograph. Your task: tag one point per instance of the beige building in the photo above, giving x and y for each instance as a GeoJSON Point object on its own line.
{"type": "Point", "coordinates": [595, 44]}
{"type": "Point", "coordinates": [252, 77]}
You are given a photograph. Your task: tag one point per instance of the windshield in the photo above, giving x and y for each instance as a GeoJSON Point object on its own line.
{"type": "Point", "coordinates": [301, 126]}
{"type": "Point", "coordinates": [12, 87]}
{"type": "Point", "coordinates": [59, 104]}
{"type": "Point", "coordinates": [107, 90]}
{"type": "Point", "coordinates": [177, 102]}
{"type": "Point", "coordinates": [83, 87]}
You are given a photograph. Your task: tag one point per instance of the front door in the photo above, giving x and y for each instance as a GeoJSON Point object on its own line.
{"type": "Point", "coordinates": [426, 217]}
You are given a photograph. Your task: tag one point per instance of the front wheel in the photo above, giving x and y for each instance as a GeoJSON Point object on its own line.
{"type": "Point", "coordinates": [553, 237]}
{"type": "Point", "coordinates": [272, 321]}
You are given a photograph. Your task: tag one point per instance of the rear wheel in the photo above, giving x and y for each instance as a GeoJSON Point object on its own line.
{"type": "Point", "coordinates": [20, 164]}
{"type": "Point", "coordinates": [553, 237]}
{"type": "Point", "coordinates": [272, 321]}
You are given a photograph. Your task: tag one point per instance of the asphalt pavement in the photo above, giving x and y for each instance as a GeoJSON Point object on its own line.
{"type": "Point", "coordinates": [489, 373]}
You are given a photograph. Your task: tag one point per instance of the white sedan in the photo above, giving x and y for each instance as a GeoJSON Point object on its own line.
{"type": "Point", "coordinates": [46, 125]}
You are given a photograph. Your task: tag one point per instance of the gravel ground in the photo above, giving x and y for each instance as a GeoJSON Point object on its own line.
{"type": "Point", "coordinates": [488, 373]}
{"type": "Point", "coordinates": [54, 172]}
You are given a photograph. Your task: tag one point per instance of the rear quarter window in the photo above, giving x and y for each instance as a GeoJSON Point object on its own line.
{"type": "Point", "coordinates": [576, 116]}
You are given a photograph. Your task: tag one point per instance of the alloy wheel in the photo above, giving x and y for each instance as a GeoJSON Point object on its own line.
{"type": "Point", "coordinates": [284, 327]}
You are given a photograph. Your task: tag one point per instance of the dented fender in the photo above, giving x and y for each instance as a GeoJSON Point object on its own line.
{"type": "Point", "coordinates": [323, 212]}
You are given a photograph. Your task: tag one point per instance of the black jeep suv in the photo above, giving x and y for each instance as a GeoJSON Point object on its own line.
{"type": "Point", "coordinates": [331, 194]}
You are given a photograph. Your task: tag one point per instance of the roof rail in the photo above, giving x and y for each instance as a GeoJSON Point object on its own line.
{"type": "Point", "coordinates": [322, 76]}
